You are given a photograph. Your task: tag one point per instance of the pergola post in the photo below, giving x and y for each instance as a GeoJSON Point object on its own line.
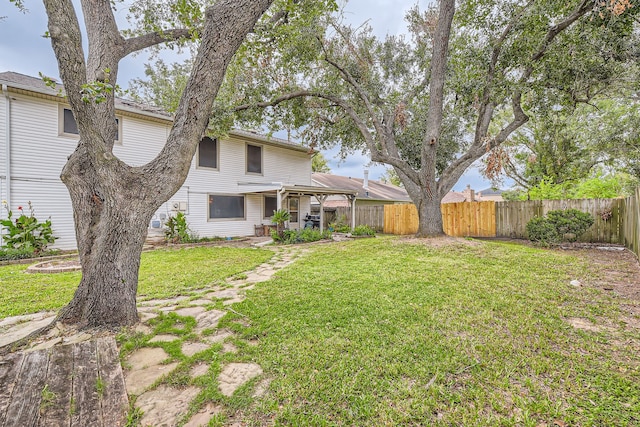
{"type": "Point", "coordinates": [321, 198]}
{"type": "Point", "coordinates": [352, 199]}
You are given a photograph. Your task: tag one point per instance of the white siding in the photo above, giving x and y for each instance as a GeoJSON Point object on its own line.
{"type": "Point", "coordinates": [39, 153]}
{"type": "Point", "coordinates": [3, 172]}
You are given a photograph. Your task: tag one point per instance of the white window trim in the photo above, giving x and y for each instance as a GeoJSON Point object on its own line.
{"type": "Point", "coordinates": [75, 136]}
{"type": "Point", "coordinates": [207, 168]}
{"type": "Point", "coordinates": [246, 159]}
{"type": "Point", "coordinates": [244, 218]}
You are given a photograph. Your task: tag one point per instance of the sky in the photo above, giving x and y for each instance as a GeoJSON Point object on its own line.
{"type": "Point", "coordinates": [24, 50]}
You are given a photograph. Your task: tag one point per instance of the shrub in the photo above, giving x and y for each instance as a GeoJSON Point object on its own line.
{"type": "Point", "coordinates": [363, 230]}
{"type": "Point", "coordinates": [26, 233]}
{"type": "Point", "coordinates": [541, 230]}
{"type": "Point", "coordinates": [559, 225]}
{"type": "Point", "coordinates": [571, 223]}
{"type": "Point", "coordinates": [340, 225]}
{"type": "Point", "coordinates": [176, 229]}
{"type": "Point", "coordinates": [306, 235]}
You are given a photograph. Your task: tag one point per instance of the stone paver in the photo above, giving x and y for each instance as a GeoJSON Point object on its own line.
{"type": "Point", "coordinates": [192, 348]}
{"type": "Point", "coordinates": [200, 302]}
{"type": "Point", "coordinates": [234, 375]}
{"type": "Point", "coordinates": [164, 405]}
{"type": "Point", "coordinates": [208, 319]}
{"type": "Point", "coordinates": [219, 336]}
{"type": "Point", "coordinates": [146, 368]}
{"type": "Point", "coordinates": [160, 302]}
{"type": "Point", "coordinates": [190, 311]}
{"type": "Point", "coordinates": [226, 293]}
{"type": "Point", "coordinates": [20, 330]}
{"type": "Point", "coordinates": [199, 370]}
{"type": "Point", "coordinates": [201, 419]}
{"type": "Point", "coordinates": [164, 338]}
{"type": "Point", "coordinates": [229, 348]}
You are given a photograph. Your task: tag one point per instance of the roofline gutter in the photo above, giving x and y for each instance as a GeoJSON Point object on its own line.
{"type": "Point", "coordinates": [5, 91]}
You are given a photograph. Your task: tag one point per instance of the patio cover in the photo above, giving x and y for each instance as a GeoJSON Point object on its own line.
{"type": "Point", "coordinates": [320, 193]}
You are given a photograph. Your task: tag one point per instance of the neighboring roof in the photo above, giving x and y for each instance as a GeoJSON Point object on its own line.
{"type": "Point", "coordinates": [491, 192]}
{"type": "Point", "coordinates": [26, 83]}
{"type": "Point", "coordinates": [377, 190]}
{"type": "Point", "coordinates": [454, 197]}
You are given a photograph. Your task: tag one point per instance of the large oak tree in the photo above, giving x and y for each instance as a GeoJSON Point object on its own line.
{"type": "Point", "coordinates": [112, 201]}
{"type": "Point", "coordinates": [429, 104]}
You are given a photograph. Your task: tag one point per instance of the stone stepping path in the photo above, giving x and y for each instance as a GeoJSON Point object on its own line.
{"type": "Point", "coordinates": [166, 405]}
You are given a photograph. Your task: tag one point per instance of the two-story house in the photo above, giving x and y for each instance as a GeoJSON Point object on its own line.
{"type": "Point", "coordinates": [234, 184]}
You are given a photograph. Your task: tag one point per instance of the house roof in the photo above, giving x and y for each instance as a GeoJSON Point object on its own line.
{"type": "Point", "coordinates": [24, 83]}
{"type": "Point", "coordinates": [376, 191]}
{"type": "Point", "coordinates": [453, 197]}
{"type": "Point", "coordinates": [491, 192]}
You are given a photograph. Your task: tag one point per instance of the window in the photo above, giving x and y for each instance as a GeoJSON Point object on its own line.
{"type": "Point", "coordinates": [254, 159]}
{"type": "Point", "coordinates": [70, 127]}
{"type": "Point", "coordinates": [294, 206]}
{"type": "Point", "coordinates": [270, 205]}
{"type": "Point", "coordinates": [208, 153]}
{"type": "Point", "coordinates": [226, 207]}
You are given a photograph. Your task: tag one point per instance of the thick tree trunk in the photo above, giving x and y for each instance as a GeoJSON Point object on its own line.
{"type": "Point", "coordinates": [430, 218]}
{"type": "Point", "coordinates": [113, 202]}
{"type": "Point", "coordinates": [111, 219]}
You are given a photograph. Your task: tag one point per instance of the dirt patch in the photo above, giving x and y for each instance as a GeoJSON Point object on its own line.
{"type": "Point", "coordinates": [437, 242]}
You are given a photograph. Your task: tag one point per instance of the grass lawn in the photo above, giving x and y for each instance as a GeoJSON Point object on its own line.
{"type": "Point", "coordinates": [163, 273]}
{"type": "Point", "coordinates": [388, 332]}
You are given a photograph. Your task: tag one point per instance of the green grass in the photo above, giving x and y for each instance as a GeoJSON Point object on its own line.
{"type": "Point", "coordinates": [378, 333]}
{"type": "Point", "coordinates": [163, 273]}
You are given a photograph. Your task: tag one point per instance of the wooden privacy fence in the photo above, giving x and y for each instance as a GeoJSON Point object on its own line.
{"type": "Point", "coordinates": [373, 216]}
{"type": "Point", "coordinates": [616, 220]}
{"type": "Point", "coordinates": [476, 219]}
{"type": "Point", "coordinates": [631, 223]}
{"type": "Point", "coordinates": [512, 217]}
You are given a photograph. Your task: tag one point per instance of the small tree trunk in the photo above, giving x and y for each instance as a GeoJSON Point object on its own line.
{"type": "Point", "coordinates": [430, 218]}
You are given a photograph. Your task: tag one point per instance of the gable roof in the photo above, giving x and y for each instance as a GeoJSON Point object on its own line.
{"type": "Point", "coordinates": [35, 85]}
{"type": "Point", "coordinates": [377, 190]}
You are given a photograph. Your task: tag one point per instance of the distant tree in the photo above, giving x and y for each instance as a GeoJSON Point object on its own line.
{"type": "Point", "coordinates": [570, 145]}
{"type": "Point", "coordinates": [391, 177]}
{"type": "Point", "coordinates": [319, 163]}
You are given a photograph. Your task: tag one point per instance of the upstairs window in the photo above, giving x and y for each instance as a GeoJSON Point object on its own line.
{"type": "Point", "coordinates": [208, 153]}
{"type": "Point", "coordinates": [70, 126]}
{"type": "Point", "coordinates": [254, 159]}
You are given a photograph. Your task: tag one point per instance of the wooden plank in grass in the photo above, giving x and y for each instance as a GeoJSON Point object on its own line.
{"type": "Point", "coordinates": [9, 369]}
{"type": "Point", "coordinates": [85, 405]}
{"type": "Point", "coordinates": [112, 391]}
{"type": "Point", "coordinates": [56, 400]}
{"type": "Point", "coordinates": [24, 407]}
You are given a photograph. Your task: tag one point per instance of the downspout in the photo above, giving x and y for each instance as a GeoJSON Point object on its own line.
{"type": "Point", "coordinates": [7, 147]}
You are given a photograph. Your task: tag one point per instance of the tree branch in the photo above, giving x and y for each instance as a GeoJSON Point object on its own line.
{"type": "Point", "coordinates": [144, 41]}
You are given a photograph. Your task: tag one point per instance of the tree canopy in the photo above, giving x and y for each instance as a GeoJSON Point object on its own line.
{"type": "Point", "coordinates": [431, 102]}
